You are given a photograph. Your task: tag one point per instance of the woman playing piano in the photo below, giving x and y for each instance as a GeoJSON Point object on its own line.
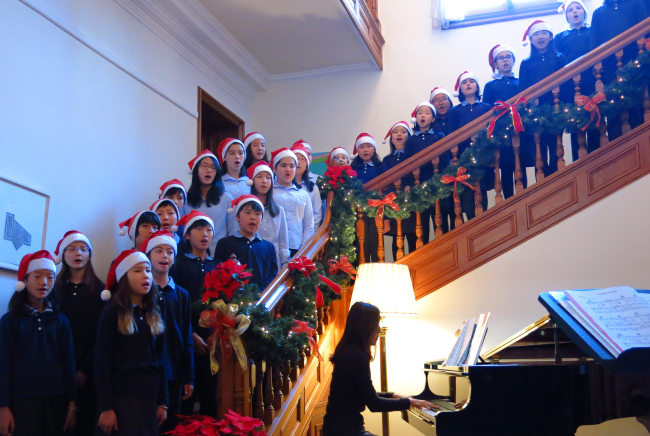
{"type": "Point", "coordinates": [351, 389]}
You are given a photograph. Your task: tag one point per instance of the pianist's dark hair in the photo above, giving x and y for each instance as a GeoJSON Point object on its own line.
{"type": "Point", "coordinates": [360, 326]}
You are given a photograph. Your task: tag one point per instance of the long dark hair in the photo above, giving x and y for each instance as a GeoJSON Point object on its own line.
{"type": "Point", "coordinates": [217, 189]}
{"type": "Point", "coordinates": [90, 279]}
{"type": "Point", "coordinates": [19, 303]}
{"type": "Point", "coordinates": [248, 162]}
{"type": "Point", "coordinates": [357, 162]}
{"type": "Point", "coordinates": [270, 205]}
{"type": "Point", "coordinates": [307, 181]}
{"type": "Point", "coordinates": [122, 301]}
{"type": "Point", "coordinates": [361, 324]}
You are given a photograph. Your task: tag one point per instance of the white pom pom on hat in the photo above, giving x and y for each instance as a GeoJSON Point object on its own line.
{"type": "Point", "coordinates": [41, 259]}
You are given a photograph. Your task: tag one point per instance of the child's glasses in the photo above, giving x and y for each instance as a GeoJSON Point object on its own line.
{"type": "Point", "coordinates": [208, 167]}
{"type": "Point", "coordinates": [504, 58]}
{"type": "Point", "coordinates": [440, 100]}
{"type": "Point", "coordinates": [79, 249]}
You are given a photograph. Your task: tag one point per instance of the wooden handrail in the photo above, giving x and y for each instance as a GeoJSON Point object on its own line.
{"type": "Point", "coordinates": [554, 80]}
{"type": "Point", "coordinates": [282, 282]}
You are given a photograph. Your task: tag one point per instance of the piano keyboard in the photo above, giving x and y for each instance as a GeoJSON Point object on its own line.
{"type": "Point", "coordinates": [445, 406]}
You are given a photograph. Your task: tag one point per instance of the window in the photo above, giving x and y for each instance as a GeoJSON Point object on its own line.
{"type": "Point", "coordinates": [450, 14]}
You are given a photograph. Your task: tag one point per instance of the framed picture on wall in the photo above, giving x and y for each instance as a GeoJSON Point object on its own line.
{"type": "Point", "coordinates": [23, 214]}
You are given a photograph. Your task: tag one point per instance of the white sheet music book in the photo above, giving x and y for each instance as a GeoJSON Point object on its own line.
{"type": "Point", "coordinates": [619, 314]}
{"type": "Point", "coordinates": [477, 340]}
{"type": "Point", "coordinates": [453, 357]}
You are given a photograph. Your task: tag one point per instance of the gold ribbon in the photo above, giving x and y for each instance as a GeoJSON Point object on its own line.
{"type": "Point", "coordinates": [222, 319]}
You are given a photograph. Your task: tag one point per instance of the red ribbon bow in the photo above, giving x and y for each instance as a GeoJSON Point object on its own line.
{"type": "Point", "coordinates": [387, 201]}
{"type": "Point", "coordinates": [504, 108]}
{"type": "Point", "coordinates": [221, 325]}
{"type": "Point", "coordinates": [460, 177]}
{"type": "Point", "coordinates": [591, 105]}
{"type": "Point", "coordinates": [305, 265]}
{"type": "Point", "coordinates": [303, 327]}
{"type": "Point", "coordinates": [647, 44]}
{"type": "Point", "coordinates": [344, 265]}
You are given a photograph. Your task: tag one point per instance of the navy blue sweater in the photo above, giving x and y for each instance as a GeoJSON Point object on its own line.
{"type": "Point", "coordinates": [82, 308]}
{"type": "Point", "coordinates": [257, 254]}
{"type": "Point", "coordinates": [417, 143]}
{"type": "Point", "coordinates": [573, 43]}
{"type": "Point", "coordinates": [500, 90]}
{"type": "Point", "coordinates": [538, 67]}
{"type": "Point", "coordinates": [36, 357]}
{"type": "Point", "coordinates": [176, 308]}
{"type": "Point", "coordinates": [367, 172]}
{"type": "Point", "coordinates": [128, 366]}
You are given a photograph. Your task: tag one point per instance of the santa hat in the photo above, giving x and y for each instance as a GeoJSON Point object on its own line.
{"type": "Point", "coordinates": [132, 224]}
{"type": "Point", "coordinates": [120, 266]}
{"type": "Point", "coordinates": [196, 160]}
{"type": "Point", "coordinates": [161, 237]}
{"type": "Point", "coordinates": [154, 207]}
{"type": "Point", "coordinates": [69, 238]}
{"type": "Point", "coordinates": [495, 52]}
{"type": "Point", "coordinates": [535, 26]}
{"type": "Point", "coordinates": [398, 124]}
{"type": "Point", "coordinates": [191, 218]}
{"type": "Point", "coordinates": [304, 144]}
{"type": "Point", "coordinates": [562, 9]}
{"type": "Point", "coordinates": [257, 168]}
{"type": "Point", "coordinates": [31, 262]}
{"type": "Point", "coordinates": [415, 111]}
{"type": "Point", "coordinates": [300, 149]}
{"type": "Point", "coordinates": [252, 136]}
{"type": "Point", "coordinates": [280, 154]}
{"type": "Point", "coordinates": [240, 202]}
{"type": "Point", "coordinates": [335, 151]}
{"type": "Point", "coordinates": [465, 75]}
{"type": "Point", "coordinates": [224, 145]}
{"type": "Point", "coordinates": [174, 183]}
{"type": "Point", "coordinates": [437, 90]}
{"type": "Point", "coordinates": [364, 138]}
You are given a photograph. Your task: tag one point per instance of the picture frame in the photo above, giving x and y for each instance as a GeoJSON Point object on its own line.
{"type": "Point", "coordinates": [23, 214]}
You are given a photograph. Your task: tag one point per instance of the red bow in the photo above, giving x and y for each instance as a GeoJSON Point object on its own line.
{"type": "Point", "coordinates": [387, 201]}
{"type": "Point", "coordinates": [647, 44]}
{"type": "Point", "coordinates": [591, 105]}
{"type": "Point", "coordinates": [344, 265]}
{"type": "Point", "coordinates": [221, 325]}
{"type": "Point", "coordinates": [460, 177]}
{"type": "Point", "coordinates": [303, 327]}
{"type": "Point", "coordinates": [504, 108]}
{"type": "Point", "coordinates": [305, 265]}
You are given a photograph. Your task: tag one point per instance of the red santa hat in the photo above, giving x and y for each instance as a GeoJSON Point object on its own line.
{"type": "Point", "coordinates": [304, 144]}
{"type": "Point", "coordinates": [31, 262]}
{"type": "Point", "coordinates": [335, 151]}
{"type": "Point", "coordinates": [280, 154]}
{"type": "Point", "coordinates": [364, 138]}
{"type": "Point", "coordinates": [154, 207]}
{"type": "Point", "coordinates": [174, 183]}
{"type": "Point", "coordinates": [257, 168]}
{"type": "Point", "coordinates": [132, 224]}
{"type": "Point", "coordinates": [199, 158]}
{"type": "Point", "coordinates": [437, 90]}
{"type": "Point", "coordinates": [161, 237]}
{"type": "Point", "coordinates": [398, 124]}
{"type": "Point", "coordinates": [191, 218]}
{"type": "Point", "coordinates": [495, 52]}
{"type": "Point", "coordinates": [564, 6]}
{"type": "Point", "coordinates": [120, 266]}
{"type": "Point", "coordinates": [252, 136]}
{"type": "Point", "coordinates": [241, 201]}
{"type": "Point", "coordinates": [69, 238]}
{"type": "Point", "coordinates": [300, 149]}
{"type": "Point", "coordinates": [535, 26]}
{"type": "Point", "coordinates": [425, 103]}
{"type": "Point", "coordinates": [224, 145]}
{"type": "Point", "coordinates": [461, 78]}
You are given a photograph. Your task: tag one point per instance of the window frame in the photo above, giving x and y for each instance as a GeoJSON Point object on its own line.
{"type": "Point", "coordinates": [513, 13]}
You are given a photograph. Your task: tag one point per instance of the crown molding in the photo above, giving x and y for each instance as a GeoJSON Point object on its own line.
{"type": "Point", "coordinates": [329, 71]}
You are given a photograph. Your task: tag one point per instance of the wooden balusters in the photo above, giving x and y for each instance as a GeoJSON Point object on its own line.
{"type": "Point", "coordinates": [600, 86]}
{"type": "Point", "coordinates": [399, 240]}
{"type": "Point", "coordinates": [556, 98]}
{"type": "Point", "coordinates": [278, 395]}
{"type": "Point", "coordinates": [398, 186]}
{"type": "Point", "coordinates": [454, 155]}
{"type": "Point", "coordinates": [559, 147]}
{"type": "Point", "coordinates": [295, 371]}
{"type": "Point", "coordinates": [302, 359]}
{"type": "Point", "coordinates": [519, 175]}
{"type": "Point", "coordinates": [418, 230]}
{"type": "Point", "coordinates": [437, 219]}
{"type": "Point", "coordinates": [646, 105]}
{"type": "Point", "coordinates": [258, 400]}
{"type": "Point", "coordinates": [478, 199]}
{"type": "Point", "coordinates": [380, 241]}
{"type": "Point", "coordinates": [619, 59]}
{"type": "Point", "coordinates": [602, 129]}
{"type": "Point", "coordinates": [269, 411]}
{"type": "Point", "coordinates": [458, 210]}
{"type": "Point", "coordinates": [361, 235]}
{"type": "Point", "coordinates": [625, 121]}
{"type": "Point", "coordinates": [319, 317]}
{"type": "Point", "coordinates": [539, 162]}
{"type": "Point", "coordinates": [582, 136]}
{"type": "Point", "coordinates": [286, 377]}
{"type": "Point", "coordinates": [497, 177]}
{"type": "Point", "coordinates": [640, 43]}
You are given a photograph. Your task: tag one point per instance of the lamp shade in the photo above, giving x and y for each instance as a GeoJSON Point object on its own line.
{"type": "Point", "coordinates": [387, 286]}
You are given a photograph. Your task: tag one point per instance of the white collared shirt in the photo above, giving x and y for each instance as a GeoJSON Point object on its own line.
{"type": "Point", "coordinates": [219, 215]}
{"type": "Point", "coordinates": [299, 213]}
{"type": "Point", "coordinates": [316, 203]}
{"type": "Point", "coordinates": [236, 187]}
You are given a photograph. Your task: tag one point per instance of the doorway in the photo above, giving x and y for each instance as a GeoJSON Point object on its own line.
{"type": "Point", "coordinates": [216, 123]}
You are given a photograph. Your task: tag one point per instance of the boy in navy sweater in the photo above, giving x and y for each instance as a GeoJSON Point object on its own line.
{"type": "Point", "coordinates": [37, 368]}
{"type": "Point", "coordinates": [189, 272]}
{"type": "Point", "coordinates": [176, 308]}
{"type": "Point", "coordinates": [251, 250]}
{"type": "Point", "coordinates": [424, 135]}
{"type": "Point", "coordinates": [140, 227]}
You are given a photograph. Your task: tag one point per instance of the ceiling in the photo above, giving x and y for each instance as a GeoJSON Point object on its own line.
{"type": "Point", "coordinates": [292, 36]}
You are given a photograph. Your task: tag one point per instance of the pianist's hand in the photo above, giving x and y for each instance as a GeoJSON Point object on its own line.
{"type": "Point", "coordinates": [421, 404]}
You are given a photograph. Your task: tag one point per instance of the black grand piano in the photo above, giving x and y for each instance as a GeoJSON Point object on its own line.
{"type": "Point", "coordinates": [548, 379]}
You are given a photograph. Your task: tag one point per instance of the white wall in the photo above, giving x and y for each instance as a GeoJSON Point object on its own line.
{"type": "Point", "coordinates": [79, 128]}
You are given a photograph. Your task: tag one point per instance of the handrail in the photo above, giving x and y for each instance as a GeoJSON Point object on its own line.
{"type": "Point", "coordinates": [554, 80]}
{"type": "Point", "coordinates": [282, 282]}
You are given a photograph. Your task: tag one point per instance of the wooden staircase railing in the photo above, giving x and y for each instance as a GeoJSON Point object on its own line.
{"type": "Point", "coordinates": [441, 261]}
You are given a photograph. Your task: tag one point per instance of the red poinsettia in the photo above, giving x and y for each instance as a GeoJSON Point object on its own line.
{"type": "Point", "coordinates": [336, 174]}
{"type": "Point", "coordinates": [232, 424]}
{"type": "Point", "coordinates": [226, 277]}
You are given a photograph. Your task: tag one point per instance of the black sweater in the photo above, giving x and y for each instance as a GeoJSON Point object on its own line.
{"type": "Point", "coordinates": [176, 308]}
{"type": "Point", "coordinates": [258, 255]}
{"type": "Point", "coordinates": [417, 143]}
{"type": "Point", "coordinates": [500, 90]}
{"type": "Point", "coordinates": [538, 67]}
{"type": "Point", "coordinates": [128, 366]}
{"type": "Point", "coordinates": [351, 391]}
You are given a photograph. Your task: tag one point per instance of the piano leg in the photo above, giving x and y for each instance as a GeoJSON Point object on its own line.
{"type": "Point", "coordinates": [452, 389]}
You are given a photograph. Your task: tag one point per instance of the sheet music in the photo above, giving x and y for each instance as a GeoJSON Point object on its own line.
{"type": "Point", "coordinates": [469, 336]}
{"type": "Point", "coordinates": [453, 357]}
{"type": "Point", "coordinates": [477, 340]}
{"type": "Point", "coordinates": [618, 313]}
